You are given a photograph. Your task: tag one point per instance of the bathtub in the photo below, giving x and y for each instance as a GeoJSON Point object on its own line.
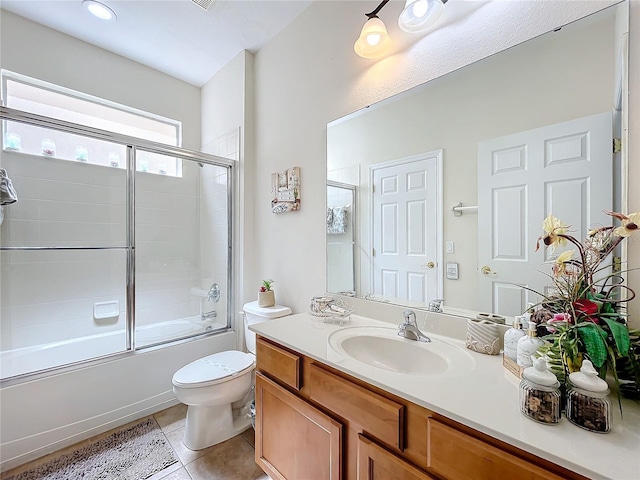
{"type": "Point", "coordinates": [44, 356]}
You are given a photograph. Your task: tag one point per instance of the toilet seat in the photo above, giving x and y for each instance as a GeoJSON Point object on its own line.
{"type": "Point", "coordinates": [214, 369]}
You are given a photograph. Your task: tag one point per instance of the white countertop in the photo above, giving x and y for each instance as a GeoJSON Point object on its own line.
{"type": "Point", "coordinates": [484, 397]}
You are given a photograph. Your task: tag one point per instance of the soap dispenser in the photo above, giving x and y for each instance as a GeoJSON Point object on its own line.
{"type": "Point", "coordinates": [527, 346]}
{"type": "Point", "coordinates": [511, 338]}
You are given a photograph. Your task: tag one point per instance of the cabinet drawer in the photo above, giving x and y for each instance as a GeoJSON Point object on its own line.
{"type": "Point", "coordinates": [456, 455]}
{"type": "Point", "coordinates": [377, 415]}
{"type": "Point", "coordinates": [278, 363]}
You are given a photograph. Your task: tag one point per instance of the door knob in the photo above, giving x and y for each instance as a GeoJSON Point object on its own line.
{"type": "Point", "coordinates": [428, 265]}
{"type": "Point", "coordinates": [486, 270]}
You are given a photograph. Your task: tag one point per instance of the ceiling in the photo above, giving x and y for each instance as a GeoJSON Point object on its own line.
{"type": "Point", "coordinates": [176, 37]}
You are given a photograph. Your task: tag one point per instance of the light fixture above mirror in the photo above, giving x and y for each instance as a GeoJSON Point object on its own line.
{"type": "Point", "coordinates": [420, 15]}
{"type": "Point", "coordinates": [374, 41]}
{"type": "Point", "coordinates": [417, 16]}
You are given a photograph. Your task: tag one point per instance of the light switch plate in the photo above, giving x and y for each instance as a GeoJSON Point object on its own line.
{"type": "Point", "coordinates": [450, 246]}
{"type": "Point", "coordinates": [452, 270]}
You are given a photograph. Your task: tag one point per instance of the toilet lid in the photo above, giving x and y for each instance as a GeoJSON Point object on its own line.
{"type": "Point", "coordinates": [213, 369]}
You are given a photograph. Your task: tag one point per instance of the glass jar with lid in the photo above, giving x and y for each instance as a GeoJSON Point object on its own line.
{"type": "Point", "coordinates": [588, 405]}
{"type": "Point", "coordinates": [540, 393]}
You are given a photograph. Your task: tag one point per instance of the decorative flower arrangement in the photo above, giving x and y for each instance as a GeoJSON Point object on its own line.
{"type": "Point", "coordinates": [584, 314]}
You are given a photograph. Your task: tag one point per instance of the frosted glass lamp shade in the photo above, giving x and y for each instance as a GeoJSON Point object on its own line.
{"type": "Point", "coordinates": [374, 40]}
{"type": "Point", "coordinates": [420, 15]}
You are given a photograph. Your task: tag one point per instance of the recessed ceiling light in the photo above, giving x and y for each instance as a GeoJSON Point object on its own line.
{"type": "Point", "coordinates": [99, 10]}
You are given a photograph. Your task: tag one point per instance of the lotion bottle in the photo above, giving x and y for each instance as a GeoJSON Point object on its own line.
{"type": "Point", "coordinates": [511, 338]}
{"type": "Point", "coordinates": [527, 346]}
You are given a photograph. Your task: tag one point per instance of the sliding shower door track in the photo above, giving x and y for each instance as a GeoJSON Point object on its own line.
{"type": "Point", "coordinates": [66, 248]}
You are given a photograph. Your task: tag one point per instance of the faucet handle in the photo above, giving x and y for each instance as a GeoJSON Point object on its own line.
{"type": "Point", "coordinates": [436, 305]}
{"type": "Point", "coordinates": [213, 294]}
{"type": "Point", "coordinates": [409, 317]}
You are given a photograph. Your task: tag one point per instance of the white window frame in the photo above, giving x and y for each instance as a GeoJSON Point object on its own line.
{"type": "Point", "coordinates": [7, 75]}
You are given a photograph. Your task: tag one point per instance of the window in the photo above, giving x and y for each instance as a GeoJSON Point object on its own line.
{"type": "Point", "coordinates": [42, 98]}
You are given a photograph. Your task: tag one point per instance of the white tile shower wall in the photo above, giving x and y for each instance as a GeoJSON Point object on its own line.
{"type": "Point", "coordinates": [49, 296]}
{"type": "Point", "coordinates": [167, 250]}
{"type": "Point", "coordinates": [227, 145]}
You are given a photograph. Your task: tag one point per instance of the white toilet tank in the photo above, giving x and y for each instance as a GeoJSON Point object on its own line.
{"type": "Point", "coordinates": [254, 314]}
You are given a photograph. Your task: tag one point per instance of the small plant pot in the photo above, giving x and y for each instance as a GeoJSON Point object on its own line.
{"type": "Point", "coordinates": [266, 299]}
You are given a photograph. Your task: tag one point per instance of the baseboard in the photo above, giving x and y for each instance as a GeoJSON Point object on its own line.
{"type": "Point", "coordinates": [89, 428]}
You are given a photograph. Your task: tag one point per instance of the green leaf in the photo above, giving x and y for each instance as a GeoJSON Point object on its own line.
{"type": "Point", "coordinates": [594, 343]}
{"type": "Point", "coordinates": [607, 308]}
{"type": "Point", "coordinates": [620, 335]}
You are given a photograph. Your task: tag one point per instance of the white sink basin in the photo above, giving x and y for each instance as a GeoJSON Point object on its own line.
{"type": "Point", "coordinates": [381, 347]}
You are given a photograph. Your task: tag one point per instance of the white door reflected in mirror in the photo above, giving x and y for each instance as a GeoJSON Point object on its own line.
{"type": "Point", "coordinates": [563, 169]}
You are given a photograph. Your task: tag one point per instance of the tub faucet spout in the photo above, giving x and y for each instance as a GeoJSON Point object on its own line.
{"type": "Point", "coordinates": [208, 315]}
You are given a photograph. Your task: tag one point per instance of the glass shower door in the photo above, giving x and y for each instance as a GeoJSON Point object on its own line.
{"type": "Point", "coordinates": [182, 248]}
{"type": "Point", "coordinates": [64, 250]}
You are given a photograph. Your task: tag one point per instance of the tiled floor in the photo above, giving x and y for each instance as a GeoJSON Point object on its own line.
{"type": "Point", "coordinates": [230, 460]}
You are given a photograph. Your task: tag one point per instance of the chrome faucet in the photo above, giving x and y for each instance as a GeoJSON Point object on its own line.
{"type": "Point", "coordinates": [436, 305]}
{"type": "Point", "coordinates": [208, 315]}
{"type": "Point", "coordinates": [409, 329]}
{"type": "Point", "coordinates": [213, 295]}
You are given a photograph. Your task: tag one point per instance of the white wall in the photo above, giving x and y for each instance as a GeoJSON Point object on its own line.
{"type": "Point", "coordinates": [306, 78]}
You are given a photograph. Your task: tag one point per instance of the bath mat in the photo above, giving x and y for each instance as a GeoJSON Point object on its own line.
{"type": "Point", "coordinates": [134, 453]}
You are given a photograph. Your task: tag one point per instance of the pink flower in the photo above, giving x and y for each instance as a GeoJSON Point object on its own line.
{"type": "Point", "coordinates": [560, 317]}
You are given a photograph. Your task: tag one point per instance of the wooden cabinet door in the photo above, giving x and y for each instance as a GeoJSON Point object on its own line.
{"type": "Point", "coordinates": [376, 463]}
{"type": "Point", "coordinates": [294, 440]}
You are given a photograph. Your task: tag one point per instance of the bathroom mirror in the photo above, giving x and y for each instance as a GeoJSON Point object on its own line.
{"type": "Point", "coordinates": [554, 100]}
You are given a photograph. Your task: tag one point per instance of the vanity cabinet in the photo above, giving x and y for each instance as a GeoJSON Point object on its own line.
{"type": "Point", "coordinates": [294, 440]}
{"type": "Point", "coordinates": [315, 422]}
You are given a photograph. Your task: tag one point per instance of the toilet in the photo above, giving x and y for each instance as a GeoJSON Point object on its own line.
{"type": "Point", "coordinates": [218, 387]}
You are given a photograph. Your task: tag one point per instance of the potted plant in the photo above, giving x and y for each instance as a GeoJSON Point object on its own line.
{"type": "Point", "coordinates": [266, 296]}
{"type": "Point", "coordinates": [584, 314]}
